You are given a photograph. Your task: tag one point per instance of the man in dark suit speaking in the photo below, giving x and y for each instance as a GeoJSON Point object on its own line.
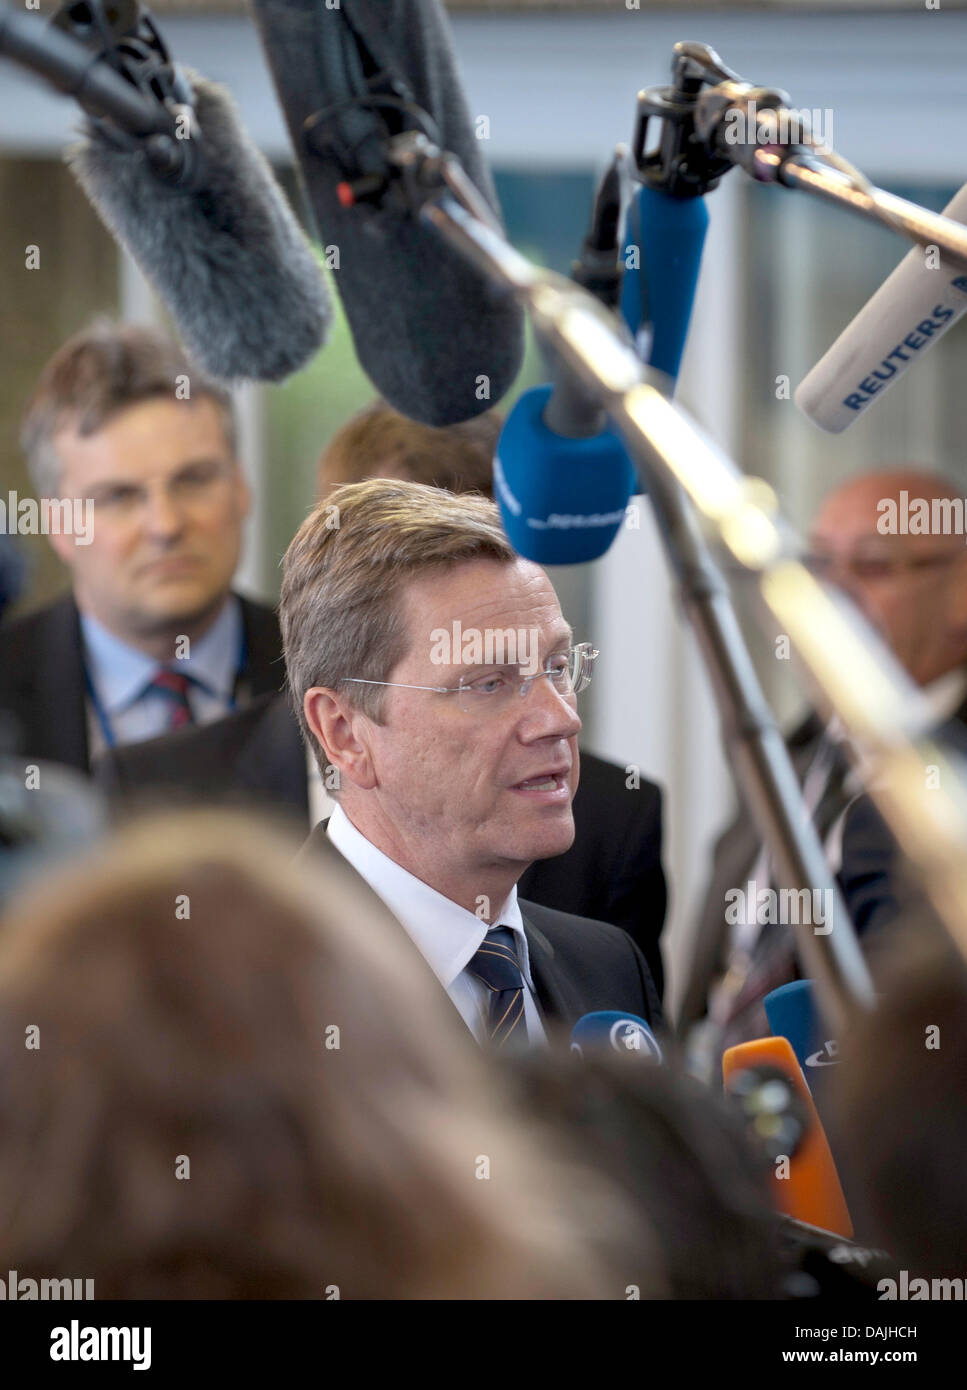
{"type": "Point", "coordinates": [613, 870]}
{"type": "Point", "coordinates": [432, 668]}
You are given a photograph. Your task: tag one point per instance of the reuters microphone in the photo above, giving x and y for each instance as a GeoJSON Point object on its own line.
{"type": "Point", "coordinates": [913, 307]}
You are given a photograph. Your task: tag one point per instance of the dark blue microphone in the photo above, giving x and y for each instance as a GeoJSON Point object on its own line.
{"type": "Point", "coordinates": [562, 476]}
{"type": "Point", "coordinates": [561, 499]}
{"type": "Point", "coordinates": [664, 240]}
{"type": "Point", "coordinates": [610, 1031]}
{"type": "Point", "coordinates": [791, 1011]}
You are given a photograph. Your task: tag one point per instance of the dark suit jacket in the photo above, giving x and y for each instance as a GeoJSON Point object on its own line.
{"type": "Point", "coordinates": [42, 683]}
{"type": "Point", "coordinates": [875, 880]}
{"type": "Point", "coordinates": [880, 887]}
{"type": "Point", "coordinates": [734, 857]}
{"type": "Point", "coordinates": [876, 883]}
{"type": "Point", "coordinates": [579, 966]}
{"type": "Point", "coordinates": [612, 872]}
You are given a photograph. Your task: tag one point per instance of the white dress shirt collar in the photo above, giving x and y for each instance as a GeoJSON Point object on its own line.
{"type": "Point", "coordinates": [120, 672]}
{"type": "Point", "coordinates": [446, 934]}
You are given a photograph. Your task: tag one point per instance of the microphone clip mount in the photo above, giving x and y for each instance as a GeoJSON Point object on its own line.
{"type": "Point", "coordinates": [122, 36]}
{"type": "Point", "coordinates": [713, 119]}
{"type": "Point", "coordinates": [354, 132]}
{"type": "Point", "coordinates": [683, 164]}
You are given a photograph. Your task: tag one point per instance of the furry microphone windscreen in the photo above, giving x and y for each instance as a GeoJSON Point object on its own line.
{"type": "Point", "coordinates": [435, 337]}
{"type": "Point", "coordinates": [227, 257]}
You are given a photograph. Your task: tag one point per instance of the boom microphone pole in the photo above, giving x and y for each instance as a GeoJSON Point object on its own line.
{"type": "Point", "coordinates": [756, 129]}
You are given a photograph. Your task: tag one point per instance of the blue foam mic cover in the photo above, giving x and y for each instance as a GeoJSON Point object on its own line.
{"type": "Point", "coordinates": [561, 500]}
{"type": "Point", "coordinates": [611, 1031]}
{"type": "Point", "coordinates": [791, 1012]}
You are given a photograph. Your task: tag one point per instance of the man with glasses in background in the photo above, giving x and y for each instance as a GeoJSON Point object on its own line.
{"type": "Point", "coordinates": [150, 637]}
{"type": "Point", "coordinates": [401, 605]}
{"type": "Point", "coordinates": [912, 587]}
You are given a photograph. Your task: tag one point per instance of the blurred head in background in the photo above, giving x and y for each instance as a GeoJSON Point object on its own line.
{"type": "Point", "coordinates": [912, 586]}
{"type": "Point", "coordinates": [212, 1086]}
{"type": "Point", "coordinates": [123, 421]}
{"type": "Point", "coordinates": [378, 442]}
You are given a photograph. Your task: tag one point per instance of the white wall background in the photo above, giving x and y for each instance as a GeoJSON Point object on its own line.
{"type": "Point", "coordinates": [560, 91]}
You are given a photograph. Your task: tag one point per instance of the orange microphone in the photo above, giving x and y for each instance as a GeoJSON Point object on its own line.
{"type": "Point", "coordinates": [766, 1079]}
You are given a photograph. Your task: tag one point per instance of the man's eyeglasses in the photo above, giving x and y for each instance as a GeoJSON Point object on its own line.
{"type": "Point", "coordinates": [495, 689]}
{"type": "Point", "coordinates": [873, 567]}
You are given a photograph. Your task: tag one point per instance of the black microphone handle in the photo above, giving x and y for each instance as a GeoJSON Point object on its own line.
{"type": "Point", "coordinates": [69, 67]}
{"type": "Point", "coordinates": [570, 412]}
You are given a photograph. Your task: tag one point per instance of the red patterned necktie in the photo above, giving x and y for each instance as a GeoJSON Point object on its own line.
{"type": "Point", "coordinates": [174, 685]}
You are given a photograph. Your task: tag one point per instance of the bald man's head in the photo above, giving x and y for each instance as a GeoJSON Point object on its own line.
{"type": "Point", "coordinates": [910, 583]}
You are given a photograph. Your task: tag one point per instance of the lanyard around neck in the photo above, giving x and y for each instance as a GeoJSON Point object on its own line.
{"type": "Point", "coordinates": [101, 714]}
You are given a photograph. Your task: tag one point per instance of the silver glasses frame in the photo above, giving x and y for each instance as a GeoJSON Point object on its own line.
{"type": "Point", "coordinates": [585, 650]}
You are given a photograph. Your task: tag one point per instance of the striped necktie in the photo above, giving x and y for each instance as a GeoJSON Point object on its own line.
{"type": "Point", "coordinates": [496, 965]}
{"type": "Point", "coordinates": [174, 684]}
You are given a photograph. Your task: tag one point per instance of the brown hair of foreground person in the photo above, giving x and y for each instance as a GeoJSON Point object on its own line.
{"type": "Point", "coordinates": [899, 1127]}
{"type": "Point", "coordinates": [184, 988]}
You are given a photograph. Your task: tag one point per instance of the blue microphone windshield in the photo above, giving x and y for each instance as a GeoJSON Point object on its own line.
{"type": "Point", "coordinates": [791, 1012]}
{"type": "Point", "coordinates": [610, 1031]}
{"type": "Point", "coordinates": [561, 500]}
{"type": "Point", "coordinates": [663, 253]}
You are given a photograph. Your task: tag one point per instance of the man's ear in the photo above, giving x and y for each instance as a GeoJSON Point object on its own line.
{"type": "Point", "coordinates": [340, 730]}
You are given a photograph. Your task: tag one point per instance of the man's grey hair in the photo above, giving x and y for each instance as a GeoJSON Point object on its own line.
{"type": "Point", "coordinates": [97, 374]}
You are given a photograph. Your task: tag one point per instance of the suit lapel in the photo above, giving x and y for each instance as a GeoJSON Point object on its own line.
{"type": "Point", "coordinates": [53, 696]}
{"type": "Point", "coordinates": [264, 671]}
{"type": "Point", "coordinates": [58, 711]}
{"type": "Point", "coordinates": [557, 999]}
{"type": "Point", "coordinates": [555, 996]}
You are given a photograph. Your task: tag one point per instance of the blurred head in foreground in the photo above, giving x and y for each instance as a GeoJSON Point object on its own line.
{"type": "Point", "coordinates": [223, 1076]}
{"type": "Point", "coordinates": [901, 1111]}
{"type": "Point", "coordinates": [681, 1156]}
